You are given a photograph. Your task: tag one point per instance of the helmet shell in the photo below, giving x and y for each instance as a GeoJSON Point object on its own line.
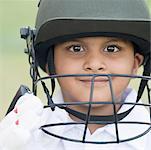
{"type": "Point", "coordinates": [61, 20]}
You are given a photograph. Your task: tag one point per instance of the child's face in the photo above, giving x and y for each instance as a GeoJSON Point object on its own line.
{"type": "Point", "coordinates": [94, 55]}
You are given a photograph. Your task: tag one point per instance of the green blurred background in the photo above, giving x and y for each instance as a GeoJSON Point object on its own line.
{"type": "Point", "coordinates": [14, 68]}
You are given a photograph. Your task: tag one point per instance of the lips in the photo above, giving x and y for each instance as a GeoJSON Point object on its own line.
{"type": "Point", "coordinates": [97, 81]}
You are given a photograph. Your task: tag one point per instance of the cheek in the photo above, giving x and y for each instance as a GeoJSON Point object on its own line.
{"type": "Point", "coordinates": [67, 66]}
{"type": "Point", "coordinates": [122, 66]}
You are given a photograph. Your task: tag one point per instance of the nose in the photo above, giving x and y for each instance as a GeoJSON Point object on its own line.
{"type": "Point", "coordinates": [94, 63]}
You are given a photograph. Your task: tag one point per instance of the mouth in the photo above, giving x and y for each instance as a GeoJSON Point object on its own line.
{"type": "Point", "coordinates": [98, 82]}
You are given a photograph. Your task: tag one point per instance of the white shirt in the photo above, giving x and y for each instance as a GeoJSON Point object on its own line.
{"type": "Point", "coordinates": [19, 130]}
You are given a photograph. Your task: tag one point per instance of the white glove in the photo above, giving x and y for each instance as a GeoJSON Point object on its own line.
{"type": "Point", "coordinates": [17, 126]}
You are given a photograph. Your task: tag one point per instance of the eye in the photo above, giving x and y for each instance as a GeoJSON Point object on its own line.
{"type": "Point", "coordinates": [112, 49]}
{"type": "Point", "coordinates": [76, 48]}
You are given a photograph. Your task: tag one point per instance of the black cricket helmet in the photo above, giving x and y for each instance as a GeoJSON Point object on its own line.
{"type": "Point", "coordinates": [60, 20]}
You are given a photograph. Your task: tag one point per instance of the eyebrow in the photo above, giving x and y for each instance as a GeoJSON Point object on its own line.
{"type": "Point", "coordinates": [112, 39]}
{"type": "Point", "coordinates": [118, 40]}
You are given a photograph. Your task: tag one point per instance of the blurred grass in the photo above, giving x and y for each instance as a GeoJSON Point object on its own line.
{"type": "Point", "coordinates": [14, 68]}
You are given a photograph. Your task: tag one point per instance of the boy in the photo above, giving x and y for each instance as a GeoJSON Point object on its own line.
{"type": "Point", "coordinates": [93, 48]}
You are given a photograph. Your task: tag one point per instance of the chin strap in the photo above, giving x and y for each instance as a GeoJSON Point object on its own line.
{"type": "Point", "coordinates": [143, 84]}
{"type": "Point", "coordinates": [49, 97]}
{"type": "Point", "coordinates": [106, 119]}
